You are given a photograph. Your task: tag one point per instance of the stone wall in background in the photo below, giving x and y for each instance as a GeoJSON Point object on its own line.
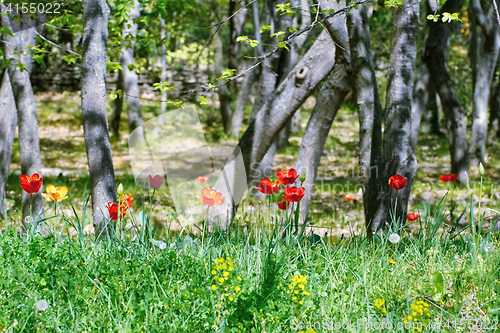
{"type": "Point", "coordinates": [67, 78]}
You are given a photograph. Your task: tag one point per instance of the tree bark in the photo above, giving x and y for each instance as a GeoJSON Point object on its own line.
{"type": "Point", "coordinates": [8, 114]}
{"type": "Point", "coordinates": [369, 109]}
{"type": "Point", "coordinates": [163, 75]}
{"type": "Point", "coordinates": [29, 141]}
{"type": "Point", "coordinates": [268, 74]}
{"type": "Point", "coordinates": [95, 123]}
{"type": "Point", "coordinates": [242, 101]}
{"type": "Point", "coordinates": [422, 91]}
{"type": "Point", "coordinates": [488, 47]}
{"type": "Point", "coordinates": [435, 59]}
{"type": "Point", "coordinates": [330, 98]}
{"type": "Point", "coordinates": [236, 24]}
{"type": "Point", "coordinates": [130, 78]}
{"type": "Point", "coordinates": [118, 107]}
{"type": "Point", "coordinates": [224, 101]}
{"type": "Point", "coordinates": [288, 97]}
{"type": "Point", "coordinates": [398, 157]}
{"type": "Point", "coordinates": [495, 111]}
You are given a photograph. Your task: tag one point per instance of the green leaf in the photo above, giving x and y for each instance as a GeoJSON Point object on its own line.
{"type": "Point", "coordinates": [265, 28]}
{"type": "Point", "coordinates": [242, 38]}
{"type": "Point", "coordinates": [254, 42]}
{"type": "Point", "coordinates": [437, 281]}
{"type": "Point", "coordinates": [163, 12]}
{"type": "Point", "coordinates": [7, 31]}
{"type": "Point", "coordinates": [39, 59]}
{"type": "Point", "coordinates": [202, 99]}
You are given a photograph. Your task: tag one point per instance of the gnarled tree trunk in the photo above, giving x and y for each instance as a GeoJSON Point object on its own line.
{"type": "Point", "coordinates": [487, 55]}
{"type": "Point", "coordinates": [330, 98]}
{"type": "Point", "coordinates": [435, 59]}
{"type": "Point", "coordinates": [398, 157]}
{"type": "Point", "coordinates": [369, 109]}
{"type": "Point", "coordinates": [29, 141]}
{"type": "Point", "coordinates": [95, 122]}
{"type": "Point", "coordinates": [8, 114]}
{"type": "Point", "coordinates": [287, 98]}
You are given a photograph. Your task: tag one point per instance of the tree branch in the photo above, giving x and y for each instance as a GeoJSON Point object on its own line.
{"type": "Point", "coordinates": [482, 20]}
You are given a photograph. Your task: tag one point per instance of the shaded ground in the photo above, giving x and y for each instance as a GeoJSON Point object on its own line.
{"type": "Point", "coordinates": [64, 161]}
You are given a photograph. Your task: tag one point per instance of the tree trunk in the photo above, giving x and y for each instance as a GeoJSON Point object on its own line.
{"type": "Point", "coordinates": [369, 109]}
{"type": "Point", "coordinates": [130, 78]}
{"type": "Point", "coordinates": [288, 97]}
{"type": "Point", "coordinates": [236, 24]}
{"type": "Point", "coordinates": [8, 114]}
{"type": "Point", "coordinates": [398, 157]}
{"type": "Point", "coordinates": [435, 59]}
{"type": "Point", "coordinates": [29, 141]}
{"type": "Point", "coordinates": [495, 111]}
{"type": "Point", "coordinates": [95, 123]}
{"type": "Point", "coordinates": [242, 101]}
{"type": "Point", "coordinates": [422, 91]}
{"type": "Point", "coordinates": [118, 107]}
{"type": "Point", "coordinates": [330, 98]}
{"type": "Point", "coordinates": [485, 67]}
{"type": "Point", "coordinates": [268, 74]}
{"type": "Point", "coordinates": [163, 76]}
{"type": "Point", "coordinates": [224, 101]}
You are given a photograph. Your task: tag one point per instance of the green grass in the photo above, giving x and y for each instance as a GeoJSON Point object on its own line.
{"type": "Point", "coordinates": [161, 280]}
{"type": "Point", "coordinates": [175, 282]}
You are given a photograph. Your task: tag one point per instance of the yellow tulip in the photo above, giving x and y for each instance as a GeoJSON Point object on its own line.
{"type": "Point", "coordinates": [56, 193]}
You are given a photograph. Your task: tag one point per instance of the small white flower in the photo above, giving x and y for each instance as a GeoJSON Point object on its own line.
{"type": "Point", "coordinates": [394, 238]}
{"type": "Point", "coordinates": [488, 247]}
{"type": "Point", "coordinates": [324, 294]}
{"type": "Point", "coordinates": [42, 305]}
{"type": "Point", "coordinates": [163, 245]}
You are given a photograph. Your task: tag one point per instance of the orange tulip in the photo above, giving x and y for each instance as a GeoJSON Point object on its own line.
{"type": "Point", "coordinates": [31, 185]}
{"type": "Point", "coordinates": [267, 187]}
{"type": "Point", "coordinates": [125, 201]}
{"type": "Point", "coordinates": [349, 198]}
{"type": "Point", "coordinates": [412, 217]}
{"type": "Point", "coordinates": [55, 193]}
{"type": "Point", "coordinates": [294, 194]}
{"type": "Point", "coordinates": [287, 177]}
{"type": "Point", "coordinates": [397, 182]}
{"type": "Point", "coordinates": [210, 197]}
{"type": "Point", "coordinates": [202, 179]}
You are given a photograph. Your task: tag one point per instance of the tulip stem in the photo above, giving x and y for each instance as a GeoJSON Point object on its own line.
{"type": "Point", "coordinates": [395, 207]}
{"type": "Point", "coordinates": [31, 208]}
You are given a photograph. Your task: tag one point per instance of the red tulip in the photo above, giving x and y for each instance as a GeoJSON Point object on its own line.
{"type": "Point", "coordinates": [202, 179]}
{"type": "Point", "coordinates": [349, 198]}
{"type": "Point", "coordinates": [397, 182]}
{"type": "Point", "coordinates": [412, 217]}
{"type": "Point", "coordinates": [448, 178]}
{"type": "Point", "coordinates": [294, 194]}
{"type": "Point", "coordinates": [283, 205]}
{"type": "Point", "coordinates": [287, 177]}
{"type": "Point", "coordinates": [113, 211]}
{"type": "Point", "coordinates": [210, 197]}
{"type": "Point", "coordinates": [155, 182]}
{"type": "Point", "coordinates": [31, 185]}
{"type": "Point", "coordinates": [267, 187]}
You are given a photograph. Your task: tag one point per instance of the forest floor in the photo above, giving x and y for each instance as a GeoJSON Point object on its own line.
{"type": "Point", "coordinates": [65, 164]}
